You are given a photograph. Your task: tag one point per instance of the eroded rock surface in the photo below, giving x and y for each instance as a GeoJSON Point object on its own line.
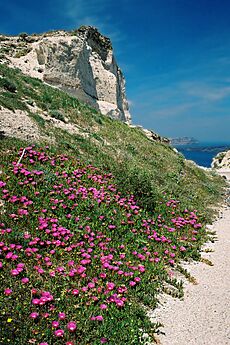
{"type": "Point", "coordinates": [79, 62]}
{"type": "Point", "coordinates": [222, 160]}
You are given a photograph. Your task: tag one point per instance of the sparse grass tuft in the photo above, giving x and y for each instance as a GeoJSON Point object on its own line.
{"type": "Point", "coordinates": [39, 120]}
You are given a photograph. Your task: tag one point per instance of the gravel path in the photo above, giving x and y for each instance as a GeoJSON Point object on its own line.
{"type": "Point", "coordinates": [203, 317]}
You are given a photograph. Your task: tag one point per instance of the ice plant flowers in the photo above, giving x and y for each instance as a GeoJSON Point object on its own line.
{"type": "Point", "coordinates": [59, 333]}
{"type": "Point", "coordinates": [71, 326]}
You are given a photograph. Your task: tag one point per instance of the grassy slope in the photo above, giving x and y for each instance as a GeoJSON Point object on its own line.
{"type": "Point", "coordinates": [144, 167]}
{"type": "Point", "coordinates": [59, 215]}
{"type": "Point", "coordinates": [153, 172]}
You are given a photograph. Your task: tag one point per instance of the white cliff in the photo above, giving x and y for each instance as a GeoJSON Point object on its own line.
{"type": "Point", "coordinates": [221, 161]}
{"type": "Point", "coordinates": [80, 62]}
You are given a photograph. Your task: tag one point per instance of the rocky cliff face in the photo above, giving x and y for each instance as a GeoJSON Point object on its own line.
{"type": "Point", "coordinates": [222, 160]}
{"type": "Point", "coordinates": [81, 63]}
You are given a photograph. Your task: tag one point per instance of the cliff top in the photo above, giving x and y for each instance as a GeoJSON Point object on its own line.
{"type": "Point", "coordinates": [89, 32]}
{"type": "Point", "coordinates": [80, 62]}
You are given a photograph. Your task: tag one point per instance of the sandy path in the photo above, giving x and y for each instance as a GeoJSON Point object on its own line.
{"type": "Point", "coordinates": [203, 317]}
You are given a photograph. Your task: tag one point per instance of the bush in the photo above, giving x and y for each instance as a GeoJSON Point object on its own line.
{"type": "Point", "coordinates": [57, 115]}
{"type": "Point", "coordinates": [22, 52]}
{"type": "Point", "coordinates": [8, 85]}
{"type": "Point", "coordinates": [23, 36]}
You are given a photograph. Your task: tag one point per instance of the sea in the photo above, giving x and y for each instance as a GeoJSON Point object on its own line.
{"type": "Point", "coordinates": [202, 153]}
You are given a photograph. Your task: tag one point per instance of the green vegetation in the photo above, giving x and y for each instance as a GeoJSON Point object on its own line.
{"type": "Point", "coordinates": [92, 225]}
{"type": "Point", "coordinates": [7, 85]}
{"type": "Point", "coordinates": [23, 35]}
{"type": "Point", "coordinates": [40, 121]}
{"type": "Point", "coordinates": [141, 166]}
{"type": "Point", "coordinates": [81, 260]}
{"type": "Point", "coordinates": [57, 115]}
{"type": "Point", "coordinates": [22, 52]}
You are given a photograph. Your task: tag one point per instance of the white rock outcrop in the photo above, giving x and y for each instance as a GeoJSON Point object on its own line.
{"type": "Point", "coordinates": [222, 160]}
{"type": "Point", "coordinates": [80, 62]}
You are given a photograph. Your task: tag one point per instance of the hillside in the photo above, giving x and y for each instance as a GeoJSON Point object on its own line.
{"type": "Point", "coordinates": [80, 259]}
{"type": "Point", "coordinates": [94, 217]}
{"type": "Point", "coordinates": [36, 112]}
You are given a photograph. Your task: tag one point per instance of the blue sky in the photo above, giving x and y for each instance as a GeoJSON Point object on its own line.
{"type": "Point", "coordinates": [175, 55]}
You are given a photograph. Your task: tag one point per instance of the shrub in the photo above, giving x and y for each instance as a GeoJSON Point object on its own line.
{"type": "Point", "coordinates": [8, 85]}
{"type": "Point", "coordinates": [22, 52]}
{"type": "Point", "coordinates": [57, 115]}
{"type": "Point", "coordinates": [23, 36]}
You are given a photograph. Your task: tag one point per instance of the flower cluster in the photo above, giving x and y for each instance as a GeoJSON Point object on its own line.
{"type": "Point", "coordinates": [74, 251]}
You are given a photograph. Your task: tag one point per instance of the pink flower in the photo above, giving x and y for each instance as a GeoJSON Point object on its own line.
{"type": "Point", "coordinates": [81, 269]}
{"type": "Point", "coordinates": [46, 315]}
{"type": "Point", "coordinates": [110, 286]}
{"type": "Point", "coordinates": [24, 280]}
{"type": "Point", "coordinates": [72, 326]}
{"type": "Point", "coordinates": [99, 318]}
{"type": "Point", "coordinates": [141, 268]}
{"type": "Point", "coordinates": [104, 340]}
{"type": "Point", "coordinates": [119, 303]}
{"type": "Point", "coordinates": [55, 324]}
{"type": "Point", "coordinates": [7, 292]}
{"type": "Point", "coordinates": [102, 275]}
{"type": "Point", "coordinates": [59, 333]}
{"type": "Point", "coordinates": [103, 306]}
{"type": "Point", "coordinates": [14, 272]}
{"type": "Point", "coordinates": [2, 184]}
{"type": "Point", "coordinates": [61, 316]}
{"type": "Point", "coordinates": [35, 301]}
{"type": "Point", "coordinates": [9, 255]}
{"type": "Point", "coordinates": [75, 292]}
{"type": "Point", "coordinates": [132, 283]}
{"type": "Point", "coordinates": [69, 343]}
{"type": "Point", "coordinates": [91, 285]}
{"type": "Point", "coordinates": [34, 315]}
{"type": "Point", "coordinates": [43, 344]}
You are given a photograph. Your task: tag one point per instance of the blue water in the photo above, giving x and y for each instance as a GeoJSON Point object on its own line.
{"type": "Point", "coordinates": [202, 153]}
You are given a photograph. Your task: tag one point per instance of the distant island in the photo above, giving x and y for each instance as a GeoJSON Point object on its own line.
{"type": "Point", "coordinates": [183, 141]}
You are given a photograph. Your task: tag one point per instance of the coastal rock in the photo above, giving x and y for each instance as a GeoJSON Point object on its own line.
{"type": "Point", "coordinates": [222, 160]}
{"type": "Point", "coordinates": [151, 134]}
{"type": "Point", "coordinates": [155, 137]}
{"type": "Point", "coordinates": [80, 62]}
